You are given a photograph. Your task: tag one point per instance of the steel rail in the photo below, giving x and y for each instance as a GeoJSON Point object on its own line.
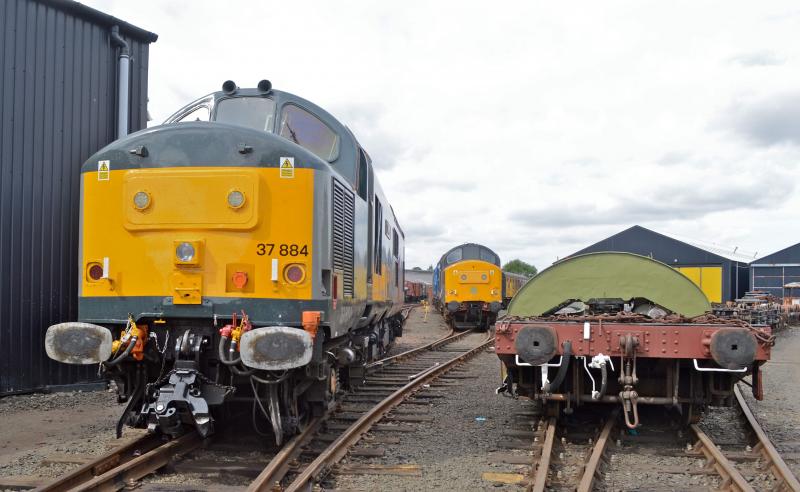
{"type": "Point", "coordinates": [449, 338]}
{"type": "Point", "coordinates": [542, 466]}
{"type": "Point", "coordinates": [731, 478]}
{"type": "Point", "coordinates": [772, 458]}
{"type": "Point", "coordinates": [269, 479]}
{"type": "Point", "coordinates": [103, 463]}
{"type": "Point", "coordinates": [339, 448]}
{"type": "Point", "coordinates": [121, 476]}
{"type": "Point", "coordinates": [593, 465]}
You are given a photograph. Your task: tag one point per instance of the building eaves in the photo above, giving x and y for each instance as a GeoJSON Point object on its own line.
{"type": "Point", "coordinates": [85, 12]}
{"type": "Point", "coordinates": [777, 254]}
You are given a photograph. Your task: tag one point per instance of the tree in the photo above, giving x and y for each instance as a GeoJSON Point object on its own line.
{"type": "Point", "coordinates": [519, 266]}
{"type": "Point", "coordinates": [430, 268]}
{"type": "Point", "coordinates": [417, 269]}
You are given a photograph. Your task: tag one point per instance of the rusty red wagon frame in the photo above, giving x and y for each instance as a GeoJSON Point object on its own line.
{"type": "Point", "coordinates": [725, 350]}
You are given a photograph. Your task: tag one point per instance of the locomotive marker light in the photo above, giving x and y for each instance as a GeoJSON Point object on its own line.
{"type": "Point", "coordinates": [239, 279]}
{"type": "Point", "coordinates": [276, 348]}
{"type": "Point", "coordinates": [78, 343]}
{"type": "Point", "coordinates": [294, 273]}
{"type": "Point", "coordinates": [141, 200]}
{"type": "Point", "coordinates": [236, 199]}
{"type": "Point", "coordinates": [94, 271]}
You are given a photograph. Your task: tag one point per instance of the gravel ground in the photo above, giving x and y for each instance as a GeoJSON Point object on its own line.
{"type": "Point", "coordinates": [39, 432]}
{"type": "Point", "coordinates": [779, 412]}
{"type": "Point", "coordinates": [420, 329]}
{"type": "Point", "coordinates": [454, 449]}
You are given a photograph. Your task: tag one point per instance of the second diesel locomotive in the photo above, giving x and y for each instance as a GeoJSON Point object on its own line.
{"type": "Point", "coordinates": [468, 286]}
{"type": "Point", "coordinates": [240, 260]}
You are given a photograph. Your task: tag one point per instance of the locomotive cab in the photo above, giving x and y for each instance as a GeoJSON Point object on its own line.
{"type": "Point", "coordinates": [242, 248]}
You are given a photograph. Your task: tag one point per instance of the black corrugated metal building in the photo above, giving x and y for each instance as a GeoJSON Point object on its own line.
{"type": "Point", "coordinates": [58, 105]}
{"type": "Point", "coordinates": [770, 273]}
{"type": "Point", "coordinates": [721, 278]}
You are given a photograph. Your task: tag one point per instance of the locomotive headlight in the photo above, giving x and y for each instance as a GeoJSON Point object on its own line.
{"type": "Point", "coordinates": [141, 200]}
{"type": "Point", "coordinates": [236, 199]}
{"type": "Point", "coordinates": [185, 252]}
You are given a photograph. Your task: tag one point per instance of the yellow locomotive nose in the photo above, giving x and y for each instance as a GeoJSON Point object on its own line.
{"type": "Point", "coordinates": [189, 234]}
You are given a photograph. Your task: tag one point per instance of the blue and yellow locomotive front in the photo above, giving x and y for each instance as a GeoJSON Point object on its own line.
{"type": "Point", "coordinates": [468, 286]}
{"type": "Point", "coordinates": [230, 256]}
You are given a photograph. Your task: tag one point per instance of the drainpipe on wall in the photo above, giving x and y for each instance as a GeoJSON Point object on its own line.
{"type": "Point", "coordinates": [124, 77]}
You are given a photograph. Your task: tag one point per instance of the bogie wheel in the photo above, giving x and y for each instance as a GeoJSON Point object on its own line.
{"type": "Point", "coordinates": [690, 413]}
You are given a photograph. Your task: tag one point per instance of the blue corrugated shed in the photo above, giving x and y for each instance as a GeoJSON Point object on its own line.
{"type": "Point", "coordinates": [770, 273]}
{"type": "Point", "coordinates": [676, 253]}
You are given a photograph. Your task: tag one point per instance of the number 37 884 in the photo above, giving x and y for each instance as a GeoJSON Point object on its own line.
{"type": "Point", "coordinates": [282, 249]}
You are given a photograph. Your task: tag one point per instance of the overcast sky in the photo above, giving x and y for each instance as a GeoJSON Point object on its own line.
{"type": "Point", "coordinates": [534, 128]}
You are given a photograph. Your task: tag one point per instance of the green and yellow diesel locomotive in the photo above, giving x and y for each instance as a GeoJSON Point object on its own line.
{"type": "Point", "coordinates": [242, 256]}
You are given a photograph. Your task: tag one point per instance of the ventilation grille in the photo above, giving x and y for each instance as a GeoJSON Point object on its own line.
{"type": "Point", "coordinates": [343, 218]}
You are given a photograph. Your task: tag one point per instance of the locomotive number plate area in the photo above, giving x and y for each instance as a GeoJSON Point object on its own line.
{"type": "Point", "coordinates": [271, 249]}
{"type": "Point", "coordinates": [187, 288]}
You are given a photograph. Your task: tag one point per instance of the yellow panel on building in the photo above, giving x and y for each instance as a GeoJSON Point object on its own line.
{"type": "Point", "coordinates": [709, 279]}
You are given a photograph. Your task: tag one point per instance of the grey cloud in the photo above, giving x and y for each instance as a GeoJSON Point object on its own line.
{"type": "Point", "coordinates": [757, 59]}
{"type": "Point", "coordinates": [672, 202]}
{"type": "Point", "coordinates": [420, 185]}
{"type": "Point", "coordinates": [674, 158]}
{"type": "Point", "coordinates": [385, 147]}
{"type": "Point", "coordinates": [768, 121]}
{"type": "Point", "coordinates": [416, 230]}
{"type": "Point", "coordinates": [582, 162]}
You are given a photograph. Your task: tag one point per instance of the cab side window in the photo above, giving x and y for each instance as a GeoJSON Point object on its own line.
{"type": "Point", "coordinates": [378, 235]}
{"type": "Point", "coordinates": [308, 131]}
{"type": "Point", "coordinates": [454, 256]}
{"type": "Point", "coordinates": [363, 173]}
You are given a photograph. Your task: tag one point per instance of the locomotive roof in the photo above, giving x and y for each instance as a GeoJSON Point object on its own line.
{"type": "Point", "coordinates": [471, 251]}
{"type": "Point", "coordinates": [216, 142]}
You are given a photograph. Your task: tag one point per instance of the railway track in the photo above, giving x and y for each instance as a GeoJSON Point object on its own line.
{"type": "Point", "coordinates": [393, 382]}
{"type": "Point", "coordinates": [390, 381]}
{"type": "Point", "coordinates": [664, 458]}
